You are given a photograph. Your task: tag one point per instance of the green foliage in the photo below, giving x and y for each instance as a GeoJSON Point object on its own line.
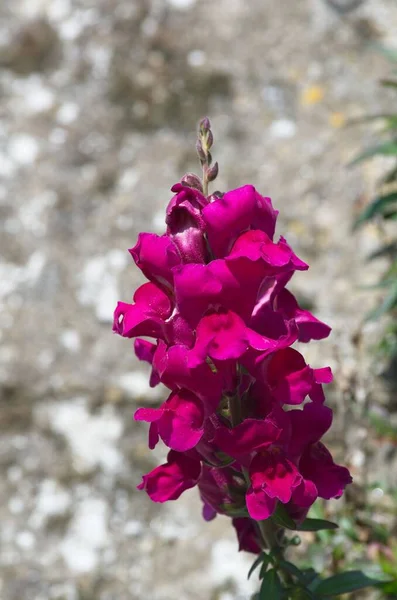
{"type": "Point", "coordinates": [316, 525]}
{"type": "Point", "coordinates": [382, 426]}
{"type": "Point", "coordinates": [256, 564]}
{"type": "Point", "coordinates": [386, 149]}
{"type": "Point", "coordinates": [388, 564]}
{"type": "Point", "coordinates": [282, 518]}
{"type": "Point", "coordinates": [384, 208]}
{"type": "Point", "coordinates": [343, 583]}
{"type": "Point", "coordinates": [337, 561]}
{"type": "Point", "coordinates": [271, 588]}
{"type": "Point", "coordinates": [282, 579]}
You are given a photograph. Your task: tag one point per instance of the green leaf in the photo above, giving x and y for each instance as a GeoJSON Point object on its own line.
{"type": "Point", "coordinates": [271, 588]}
{"type": "Point", "coordinates": [376, 207]}
{"type": "Point", "coordinates": [316, 525]}
{"type": "Point", "coordinates": [389, 83]}
{"type": "Point", "coordinates": [255, 564]}
{"type": "Point", "coordinates": [388, 250]}
{"type": "Point", "coordinates": [234, 510]}
{"type": "Point", "coordinates": [302, 593]}
{"type": "Point", "coordinates": [309, 595]}
{"type": "Point", "coordinates": [390, 176]}
{"type": "Point", "coordinates": [389, 53]}
{"type": "Point", "coordinates": [384, 428]}
{"type": "Point", "coordinates": [381, 285]}
{"type": "Point", "coordinates": [388, 304]}
{"type": "Point", "coordinates": [390, 215]}
{"type": "Point", "coordinates": [386, 149]}
{"type": "Point", "coordinates": [343, 583]}
{"type": "Point", "coordinates": [264, 568]}
{"type": "Point", "coordinates": [368, 118]}
{"type": "Point", "coordinates": [349, 528]}
{"type": "Point", "coordinates": [310, 577]}
{"type": "Point", "coordinates": [391, 123]}
{"type": "Point", "coordinates": [282, 518]}
{"type": "Point", "coordinates": [292, 570]}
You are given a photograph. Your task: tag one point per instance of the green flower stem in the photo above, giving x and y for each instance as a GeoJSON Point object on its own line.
{"type": "Point", "coordinates": [270, 533]}
{"type": "Point", "coordinates": [235, 410]}
{"type": "Point", "coordinates": [205, 179]}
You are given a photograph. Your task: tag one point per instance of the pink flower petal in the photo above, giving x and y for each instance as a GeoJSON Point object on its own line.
{"type": "Point", "coordinates": [153, 435]}
{"type": "Point", "coordinates": [200, 288]}
{"type": "Point", "coordinates": [250, 435]}
{"type": "Point", "coordinates": [180, 420]}
{"type": "Point", "coordinates": [310, 328]}
{"type": "Point", "coordinates": [144, 350]}
{"type": "Point", "coordinates": [221, 336]}
{"type": "Point", "coordinates": [305, 494]}
{"type": "Point", "coordinates": [318, 466]}
{"type": "Point", "coordinates": [145, 317]}
{"type": "Point", "coordinates": [182, 424]}
{"type": "Point", "coordinates": [170, 480]}
{"type": "Point", "coordinates": [247, 535]}
{"type": "Point", "coordinates": [235, 212]}
{"type": "Point", "coordinates": [196, 288]}
{"type": "Point", "coordinates": [257, 246]}
{"type": "Point", "coordinates": [185, 225]}
{"type": "Point", "coordinates": [260, 506]}
{"type": "Point", "coordinates": [156, 256]}
{"type": "Point", "coordinates": [323, 375]}
{"type": "Point", "coordinates": [171, 365]}
{"type": "Point", "coordinates": [274, 474]}
{"type": "Point", "coordinates": [289, 378]}
{"type": "Point", "coordinates": [150, 415]}
{"type": "Point", "coordinates": [308, 426]}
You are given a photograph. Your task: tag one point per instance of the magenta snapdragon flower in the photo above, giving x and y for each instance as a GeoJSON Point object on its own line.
{"type": "Point", "coordinates": [222, 323]}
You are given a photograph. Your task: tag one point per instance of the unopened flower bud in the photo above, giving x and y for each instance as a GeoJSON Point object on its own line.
{"type": "Point", "coordinates": [215, 196]}
{"type": "Point", "coordinates": [204, 125]}
{"type": "Point", "coordinates": [295, 541]}
{"type": "Point", "coordinates": [212, 172]}
{"type": "Point", "coordinates": [209, 139]}
{"type": "Point", "coordinates": [193, 181]}
{"type": "Point", "coordinates": [200, 151]}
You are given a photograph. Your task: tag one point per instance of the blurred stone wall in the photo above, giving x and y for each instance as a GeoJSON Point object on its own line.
{"type": "Point", "coordinates": [99, 105]}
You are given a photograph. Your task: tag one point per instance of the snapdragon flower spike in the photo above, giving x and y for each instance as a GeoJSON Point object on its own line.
{"type": "Point", "coordinates": [221, 324]}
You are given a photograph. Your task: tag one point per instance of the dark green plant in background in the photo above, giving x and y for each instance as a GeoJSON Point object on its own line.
{"type": "Point", "coordinates": [383, 209]}
{"type": "Point", "coordinates": [373, 522]}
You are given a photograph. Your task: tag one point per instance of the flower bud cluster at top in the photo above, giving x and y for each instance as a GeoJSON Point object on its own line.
{"type": "Point", "coordinates": [223, 324]}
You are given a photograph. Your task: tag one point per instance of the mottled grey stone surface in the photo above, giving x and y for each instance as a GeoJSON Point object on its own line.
{"type": "Point", "coordinates": [99, 103]}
